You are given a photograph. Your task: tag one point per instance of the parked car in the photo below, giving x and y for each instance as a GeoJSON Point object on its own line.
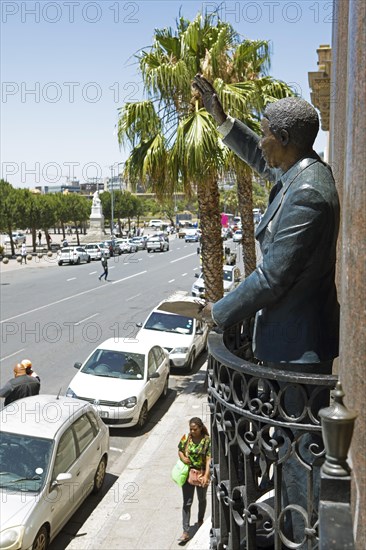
{"type": "Point", "coordinates": [94, 250]}
{"type": "Point", "coordinates": [45, 458]}
{"type": "Point", "coordinates": [113, 247]}
{"type": "Point", "coordinates": [238, 235]}
{"type": "Point", "coordinates": [104, 249]}
{"type": "Point", "coordinates": [126, 246]}
{"type": "Point", "coordinates": [157, 243]}
{"type": "Point", "coordinates": [155, 223]}
{"type": "Point", "coordinates": [192, 236]}
{"type": "Point", "coordinates": [140, 242]}
{"type": "Point", "coordinates": [18, 238]}
{"type": "Point", "coordinates": [123, 379]}
{"type": "Point", "coordinates": [72, 255]}
{"type": "Point", "coordinates": [231, 278]}
{"type": "Point", "coordinates": [183, 337]}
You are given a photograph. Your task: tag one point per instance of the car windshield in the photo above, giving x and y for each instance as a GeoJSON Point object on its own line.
{"type": "Point", "coordinates": [115, 364]}
{"type": "Point", "coordinates": [169, 323]}
{"type": "Point", "coordinates": [227, 275]}
{"type": "Point", "coordinates": [24, 462]}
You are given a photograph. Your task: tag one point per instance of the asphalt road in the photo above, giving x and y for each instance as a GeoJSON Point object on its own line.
{"type": "Point", "coordinates": [56, 316]}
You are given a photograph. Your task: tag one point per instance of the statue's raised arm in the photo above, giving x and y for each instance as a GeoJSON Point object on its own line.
{"type": "Point", "coordinates": [210, 98]}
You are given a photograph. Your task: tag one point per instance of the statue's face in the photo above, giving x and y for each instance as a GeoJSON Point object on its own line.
{"type": "Point", "coordinates": [273, 151]}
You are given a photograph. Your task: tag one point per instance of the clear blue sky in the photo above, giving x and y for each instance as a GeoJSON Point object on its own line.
{"type": "Point", "coordinates": [66, 67]}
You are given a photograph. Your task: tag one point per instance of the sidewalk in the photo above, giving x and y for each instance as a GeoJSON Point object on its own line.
{"type": "Point", "coordinates": [143, 509]}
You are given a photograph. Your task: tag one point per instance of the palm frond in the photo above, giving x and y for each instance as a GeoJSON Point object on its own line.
{"type": "Point", "coordinates": [137, 122]}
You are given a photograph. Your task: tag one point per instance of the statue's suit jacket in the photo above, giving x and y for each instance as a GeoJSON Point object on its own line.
{"type": "Point", "coordinates": [292, 292]}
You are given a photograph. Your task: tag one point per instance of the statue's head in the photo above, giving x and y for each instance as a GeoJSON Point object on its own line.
{"type": "Point", "coordinates": [297, 118]}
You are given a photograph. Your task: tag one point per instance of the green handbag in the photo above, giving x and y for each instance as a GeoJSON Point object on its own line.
{"type": "Point", "coordinates": [180, 473]}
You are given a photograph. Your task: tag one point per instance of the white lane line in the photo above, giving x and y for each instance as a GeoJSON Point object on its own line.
{"type": "Point", "coordinates": [184, 274]}
{"type": "Point", "coordinates": [11, 355]}
{"type": "Point", "coordinates": [183, 257]}
{"type": "Point", "coordinates": [93, 272]}
{"type": "Point", "coordinates": [195, 268]}
{"type": "Point", "coordinates": [86, 319]}
{"type": "Point", "coordinates": [129, 277]}
{"type": "Point", "coordinates": [133, 297]}
{"type": "Point", "coordinates": [70, 297]}
{"type": "Point", "coordinates": [171, 281]}
{"type": "Point", "coordinates": [71, 279]}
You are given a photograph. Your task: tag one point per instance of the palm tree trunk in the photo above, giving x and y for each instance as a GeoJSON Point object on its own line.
{"type": "Point", "coordinates": [245, 200]}
{"type": "Point", "coordinates": [211, 241]}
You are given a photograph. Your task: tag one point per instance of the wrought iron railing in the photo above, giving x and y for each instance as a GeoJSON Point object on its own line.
{"type": "Point", "coordinates": [261, 450]}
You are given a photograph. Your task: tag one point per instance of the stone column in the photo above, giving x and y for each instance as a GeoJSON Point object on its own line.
{"type": "Point", "coordinates": [348, 153]}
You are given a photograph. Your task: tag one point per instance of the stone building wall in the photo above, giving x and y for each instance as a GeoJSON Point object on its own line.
{"type": "Point", "coordinates": [348, 160]}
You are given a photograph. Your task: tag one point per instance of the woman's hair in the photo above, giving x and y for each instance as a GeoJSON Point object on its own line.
{"type": "Point", "coordinates": [200, 424]}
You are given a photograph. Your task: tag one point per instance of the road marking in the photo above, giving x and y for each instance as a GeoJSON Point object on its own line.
{"type": "Point", "coordinates": [133, 297]}
{"type": "Point", "coordinates": [129, 277]}
{"type": "Point", "coordinates": [93, 272]}
{"type": "Point", "coordinates": [116, 449]}
{"type": "Point", "coordinates": [183, 258]}
{"type": "Point", "coordinates": [195, 268]}
{"type": "Point", "coordinates": [72, 279]}
{"type": "Point", "coordinates": [11, 355]}
{"type": "Point", "coordinates": [171, 281]}
{"type": "Point", "coordinates": [86, 319]}
{"type": "Point", "coordinates": [70, 297]}
{"type": "Point", "coordinates": [184, 274]}
{"type": "Point", "coordinates": [112, 267]}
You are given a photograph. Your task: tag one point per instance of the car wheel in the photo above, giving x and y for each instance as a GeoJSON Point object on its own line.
{"type": "Point", "coordinates": [60, 262]}
{"type": "Point", "coordinates": [78, 261]}
{"type": "Point", "coordinates": [41, 540]}
{"type": "Point", "coordinates": [143, 416]}
{"type": "Point", "coordinates": [167, 248]}
{"type": "Point", "coordinates": [166, 387]}
{"type": "Point", "coordinates": [99, 476]}
{"type": "Point", "coordinates": [88, 260]}
{"type": "Point", "coordinates": [148, 250]}
{"type": "Point", "coordinates": [190, 362]}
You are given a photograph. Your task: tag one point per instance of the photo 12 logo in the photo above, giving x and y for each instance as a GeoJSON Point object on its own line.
{"type": "Point", "coordinates": [70, 12]}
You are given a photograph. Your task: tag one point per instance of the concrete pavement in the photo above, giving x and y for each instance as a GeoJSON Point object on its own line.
{"type": "Point", "coordinates": [143, 509]}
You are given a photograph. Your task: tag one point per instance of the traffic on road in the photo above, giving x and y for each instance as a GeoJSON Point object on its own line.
{"type": "Point", "coordinates": [127, 374]}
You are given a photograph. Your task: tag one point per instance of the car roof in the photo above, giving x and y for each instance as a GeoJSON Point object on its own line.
{"type": "Point", "coordinates": [129, 345]}
{"type": "Point", "coordinates": [41, 415]}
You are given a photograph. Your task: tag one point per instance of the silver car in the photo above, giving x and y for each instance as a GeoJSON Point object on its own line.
{"type": "Point", "coordinates": [94, 251]}
{"type": "Point", "coordinates": [72, 255]}
{"type": "Point", "coordinates": [53, 453]}
{"type": "Point", "coordinates": [157, 243]}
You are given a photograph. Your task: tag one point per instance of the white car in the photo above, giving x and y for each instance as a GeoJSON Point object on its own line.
{"type": "Point", "coordinates": [158, 243]}
{"type": "Point", "coordinates": [126, 246]}
{"type": "Point", "coordinates": [53, 453]}
{"type": "Point", "coordinates": [18, 238]}
{"type": "Point", "coordinates": [183, 337]}
{"type": "Point", "coordinates": [123, 379]}
{"type": "Point", "coordinates": [238, 235]}
{"type": "Point", "coordinates": [231, 277]}
{"type": "Point", "coordinates": [155, 223]}
{"type": "Point", "coordinates": [94, 250]}
{"type": "Point", "coordinates": [72, 255]}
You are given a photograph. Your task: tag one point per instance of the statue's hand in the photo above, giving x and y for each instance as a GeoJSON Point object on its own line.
{"type": "Point", "coordinates": [209, 97]}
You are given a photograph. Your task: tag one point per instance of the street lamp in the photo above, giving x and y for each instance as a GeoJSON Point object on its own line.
{"type": "Point", "coordinates": [112, 201]}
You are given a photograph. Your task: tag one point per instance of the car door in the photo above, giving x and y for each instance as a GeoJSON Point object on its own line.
{"type": "Point", "coordinates": [63, 499]}
{"type": "Point", "coordinates": [162, 367]}
{"type": "Point", "coordinates": [89, 451]}
{"type": "Point", "coordinates": [152, 384]}
{"type": "Point", "coordinates": [200, 336]}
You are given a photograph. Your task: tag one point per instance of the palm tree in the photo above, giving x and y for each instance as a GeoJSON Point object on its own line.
{"type": "Point", "coordinates": [175, 141]}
